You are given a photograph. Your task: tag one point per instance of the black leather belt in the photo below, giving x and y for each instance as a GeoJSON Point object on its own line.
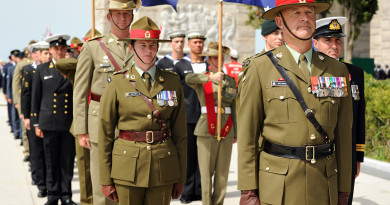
{"type": "Point", "coordinates": [306, 153]}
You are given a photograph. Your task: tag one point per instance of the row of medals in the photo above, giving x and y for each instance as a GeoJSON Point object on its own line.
{"type": "Point", "coordinates": [329, 86]}
{"type": "Point", "coordinates": [167, 98]}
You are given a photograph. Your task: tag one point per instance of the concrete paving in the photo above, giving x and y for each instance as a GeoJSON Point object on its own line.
{"type": "Point", "coordinates": [372, 186]}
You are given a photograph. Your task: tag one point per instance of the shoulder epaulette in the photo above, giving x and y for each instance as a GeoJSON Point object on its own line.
{"type": "Point", "coordinates": [94, 38]}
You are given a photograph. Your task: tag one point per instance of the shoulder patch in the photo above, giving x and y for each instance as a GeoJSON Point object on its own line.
{"type": "Point", "coordinates": [94, 38]}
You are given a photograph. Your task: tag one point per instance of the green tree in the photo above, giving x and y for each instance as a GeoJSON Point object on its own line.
{"type": "Point", "coordinates": [358, 12]}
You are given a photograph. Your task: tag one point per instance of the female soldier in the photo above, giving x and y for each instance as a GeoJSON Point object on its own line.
{"type": "Point", "coordinates": [213, 155]}
{"type": "Point", "coordinates": [146, 164]}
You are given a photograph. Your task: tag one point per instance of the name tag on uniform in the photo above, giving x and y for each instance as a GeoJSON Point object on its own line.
{"type": "Point", "coordinates": [132, 94]}
{"type": "Point", "coordinates": [47, 77]}
{"type": "Point", "coordinates": [105, 65]}
{"type": "Point", "coordinates": [188, 71]}
{"type": "Point", "coordinates": [278, 83]}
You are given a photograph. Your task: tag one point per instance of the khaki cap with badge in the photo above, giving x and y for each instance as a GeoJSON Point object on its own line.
{"type": "Point", "coordinates": [284, 4]}
{"type": "Point", "coordinates": [75, 42]}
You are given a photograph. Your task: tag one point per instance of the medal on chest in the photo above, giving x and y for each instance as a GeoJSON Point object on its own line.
{"type": "Point", "coordinates": [329, 86]}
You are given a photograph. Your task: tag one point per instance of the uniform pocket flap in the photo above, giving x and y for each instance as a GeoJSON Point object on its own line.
{"type": "Point", "coordinates": [272, 164]}
{"type": "Point", "coordinates": [330, 100]}
{"type": "Point", "coordinates": [331, 167]}
{"type": "Point", "coordinates": [126, 151]}
{"type": "Point", "coordinates": [161, 154]}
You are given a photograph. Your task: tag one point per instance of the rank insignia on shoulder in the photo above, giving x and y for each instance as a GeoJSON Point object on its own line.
{"type": "Point", "coordinates": [161, 79]}
{"type": "Point", "coordinates": [51, 65]}
{"type": "Point", "coordinates": [279, 55]}
{"type": "Point", "coordinates": [329, 86]}
{"type": "Point", "coordinates": [321, 57]}
{"type": "Point", "coordinates": [26, 84]}
{"type": "Point", "coordinates": [132, 94]}
{"type": "Point", "coordinates": [167, 98]}
{"type": "Point", "coordinates": [248, 62]}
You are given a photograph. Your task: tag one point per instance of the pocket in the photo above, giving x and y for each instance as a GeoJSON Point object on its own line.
{"type": "Point", "coordinates": [282, 108]}
{"type": "Point", "coordinates": [272, 174]}
{"type": "Point", "coordinates": [331, 173]}
{"type": "Point", "coordinates": [106, 70]}
{"type": "Point", "coordinates": [329, 110]}
{"type": "Point", "coordinates": [124, 162]}
{"type": "Point", "coordinates": [168, 164]}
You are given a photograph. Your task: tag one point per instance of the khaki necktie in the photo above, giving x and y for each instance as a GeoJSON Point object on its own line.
{"type": "Point", "coordinates": [147, 80]}
{"type": "Point", "coordinates": [122, 47]}
{"type": "Point", "coordinates": [303, 66]}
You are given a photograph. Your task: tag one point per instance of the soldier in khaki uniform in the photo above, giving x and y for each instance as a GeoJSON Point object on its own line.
{"type": "Point", "coordinates": [283, 159]}
{"type": "Point", "coordinates": [147, 163]}
{"type": "Point", "coordinates": [213, 155]}
{"type": "Point", "coordinates": [97, 62]}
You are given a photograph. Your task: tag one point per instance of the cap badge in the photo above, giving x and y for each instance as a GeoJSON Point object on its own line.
{"type": "Point", "coordinates": [51, 65]}
{"type": "Point", "coordinates": [124, 6]}
{"type": "Point", "coordinates": [147, 34]}
{"type": "Point", "coordinates": [334, 25]}
{"type": "Point", "coordinates": [302, 1]}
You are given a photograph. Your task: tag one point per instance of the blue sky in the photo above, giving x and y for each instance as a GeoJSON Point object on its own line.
{"type": "Point", "coordinates": [25, 20]}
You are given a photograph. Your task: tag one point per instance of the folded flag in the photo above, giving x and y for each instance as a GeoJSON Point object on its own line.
{"type": "Point", "coordinates": [147, 3]}
{"type": "Point", "coordinates": [266, 4]}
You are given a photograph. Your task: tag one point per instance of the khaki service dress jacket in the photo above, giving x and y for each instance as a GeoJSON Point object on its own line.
{"type": "Point", "coordinates": [140, 164]}
{"type": "Point", "coordinates": [93, 73]}
{"type": "Point", "coordinates": [273, 113]}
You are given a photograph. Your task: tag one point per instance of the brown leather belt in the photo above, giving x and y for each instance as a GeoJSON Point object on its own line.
{"type": "Point", "coordinates": [95, 97]}
{"type": "Point", "coordinates": [146, 137]}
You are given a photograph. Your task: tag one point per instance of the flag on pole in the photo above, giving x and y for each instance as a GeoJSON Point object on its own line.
{"type": "Point", "coordinates": [266, 4]}
{"type": "Point", "coordinates": [147, 3]}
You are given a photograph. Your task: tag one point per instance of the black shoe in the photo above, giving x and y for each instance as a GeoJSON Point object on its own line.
{"type": "Point", "coordinates": [68, 202]}
{"type": "Point", "coordinates": [55, 202]}
{"type": "Point", "coordinates": [21, 143]}
{"type": "Point", "coordinates": [26, 159]}
{"type": "Point", "coordinates": [185, 201]}
{"type": "Point", "coordinates": [42, 193]}
{"type": "Point", "coordinates": [197, 198]}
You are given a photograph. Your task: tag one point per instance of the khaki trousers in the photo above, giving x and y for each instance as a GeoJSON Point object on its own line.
{"type": "Point", "coordinates": [26, 148]}
{"type": "Point", "coordinates": [214, 160]}
{"type": "Point", "coordinates": [159, 195]}
{"type": "Point", "coordinates": [83, 166]}
{"type": "Point", "coordinates": [98, 197]}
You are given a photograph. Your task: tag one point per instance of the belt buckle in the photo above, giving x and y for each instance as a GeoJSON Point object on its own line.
{"type": "Point", "coordinates": [147, 137]}
{"type": "Point", "coordinates": [312, 160]}
{"type": "Point", "coordinates": [222, 110]}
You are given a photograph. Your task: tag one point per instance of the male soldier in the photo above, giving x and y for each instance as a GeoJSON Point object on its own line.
{"type": "Point", "coordinates": [328, 39]}
{"type": "Point", "coordinates": [283, 157]}
{"type": "Point", "coordinates": [4, 85]}
{"type": "Point", "coordinates": [51, 106]}
{"type": "Point", "coordinates": [233, 68]}
{"type": "Point", "coordinates": [38, 165]}
{"type": "Point", "coordinates": [67, 67]}
{"type": "Point", "coordinates": [98, 60]}
{"type": "Point", "coordinates": [272, 35]}
{"type": "Point", "coordinates": [192, 188]}
{"type": "Point", "coordinates": [177, 44]}
{"type": "Point", "coordinates": [75, 46]}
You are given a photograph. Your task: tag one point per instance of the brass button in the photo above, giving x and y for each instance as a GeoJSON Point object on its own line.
{"type": "Point", "coordinates": [148, 147]}
{"type": "Point", "coordinates": [66, 101]}
{"type": "Point", "coordinates": [124, 65]}
{"type": "Point", "coordinates": [149, 116]}
{"type": "Point", "coordinates": [66, 112]}
{"type": "Point", "coordinates": [105, 70]}
{"type": "Point", "coordinates": [124, 152]}
{"type": "Point", "coordinates": [94, 112]}
{"type": "Point", "coordinates": [35, 114]}
{"type": "Point", "coordinates": [169, 153]}
{"type": "Point", "coordinates": [313, 137]}
{"type": "Point", "coordinates": [335, 170]}
{"type": "Point", "coordinates": [309, 89]}
{"type": "Point", "coordinates": [281, 97]}
{"type": "Point", "coordinates": [54, 106]}
{"type": "Point", "coordinates": [55, 100]}
{"type": "Point", "coordinates": [267, 169]}
{"type": "Point", "coordinates": [201, 117]}
{"type": "Point", "coordinates": [66, 95]}
{"type": "Point", "coordinates": [332, 101]}
{"type": "Point", "coordinates": [66, 106]}
{"type": "Point", "coordinates": [54, 112]}
{"type": "Point", "coordinates": [150, 100]}
{"type": "Point", "coordinates": [31, 115]}
{"type": "Point", "coordinates": [55, 94]}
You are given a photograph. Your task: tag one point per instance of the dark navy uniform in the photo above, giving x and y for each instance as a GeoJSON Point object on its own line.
{"type": "Point", "coordinates": [37, 156]}
{"type": "Point", "coordinates": [167, 63]}
{"type": "Point", "coordinates": [52, 112]}
{"type": "Point", "coordinates": [359, 121]}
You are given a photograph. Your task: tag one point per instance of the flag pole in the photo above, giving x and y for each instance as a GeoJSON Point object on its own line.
{"type": "Point", "coordinates": [219, 70]}
{"type": "Point", "coordinates": [93, 19]}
